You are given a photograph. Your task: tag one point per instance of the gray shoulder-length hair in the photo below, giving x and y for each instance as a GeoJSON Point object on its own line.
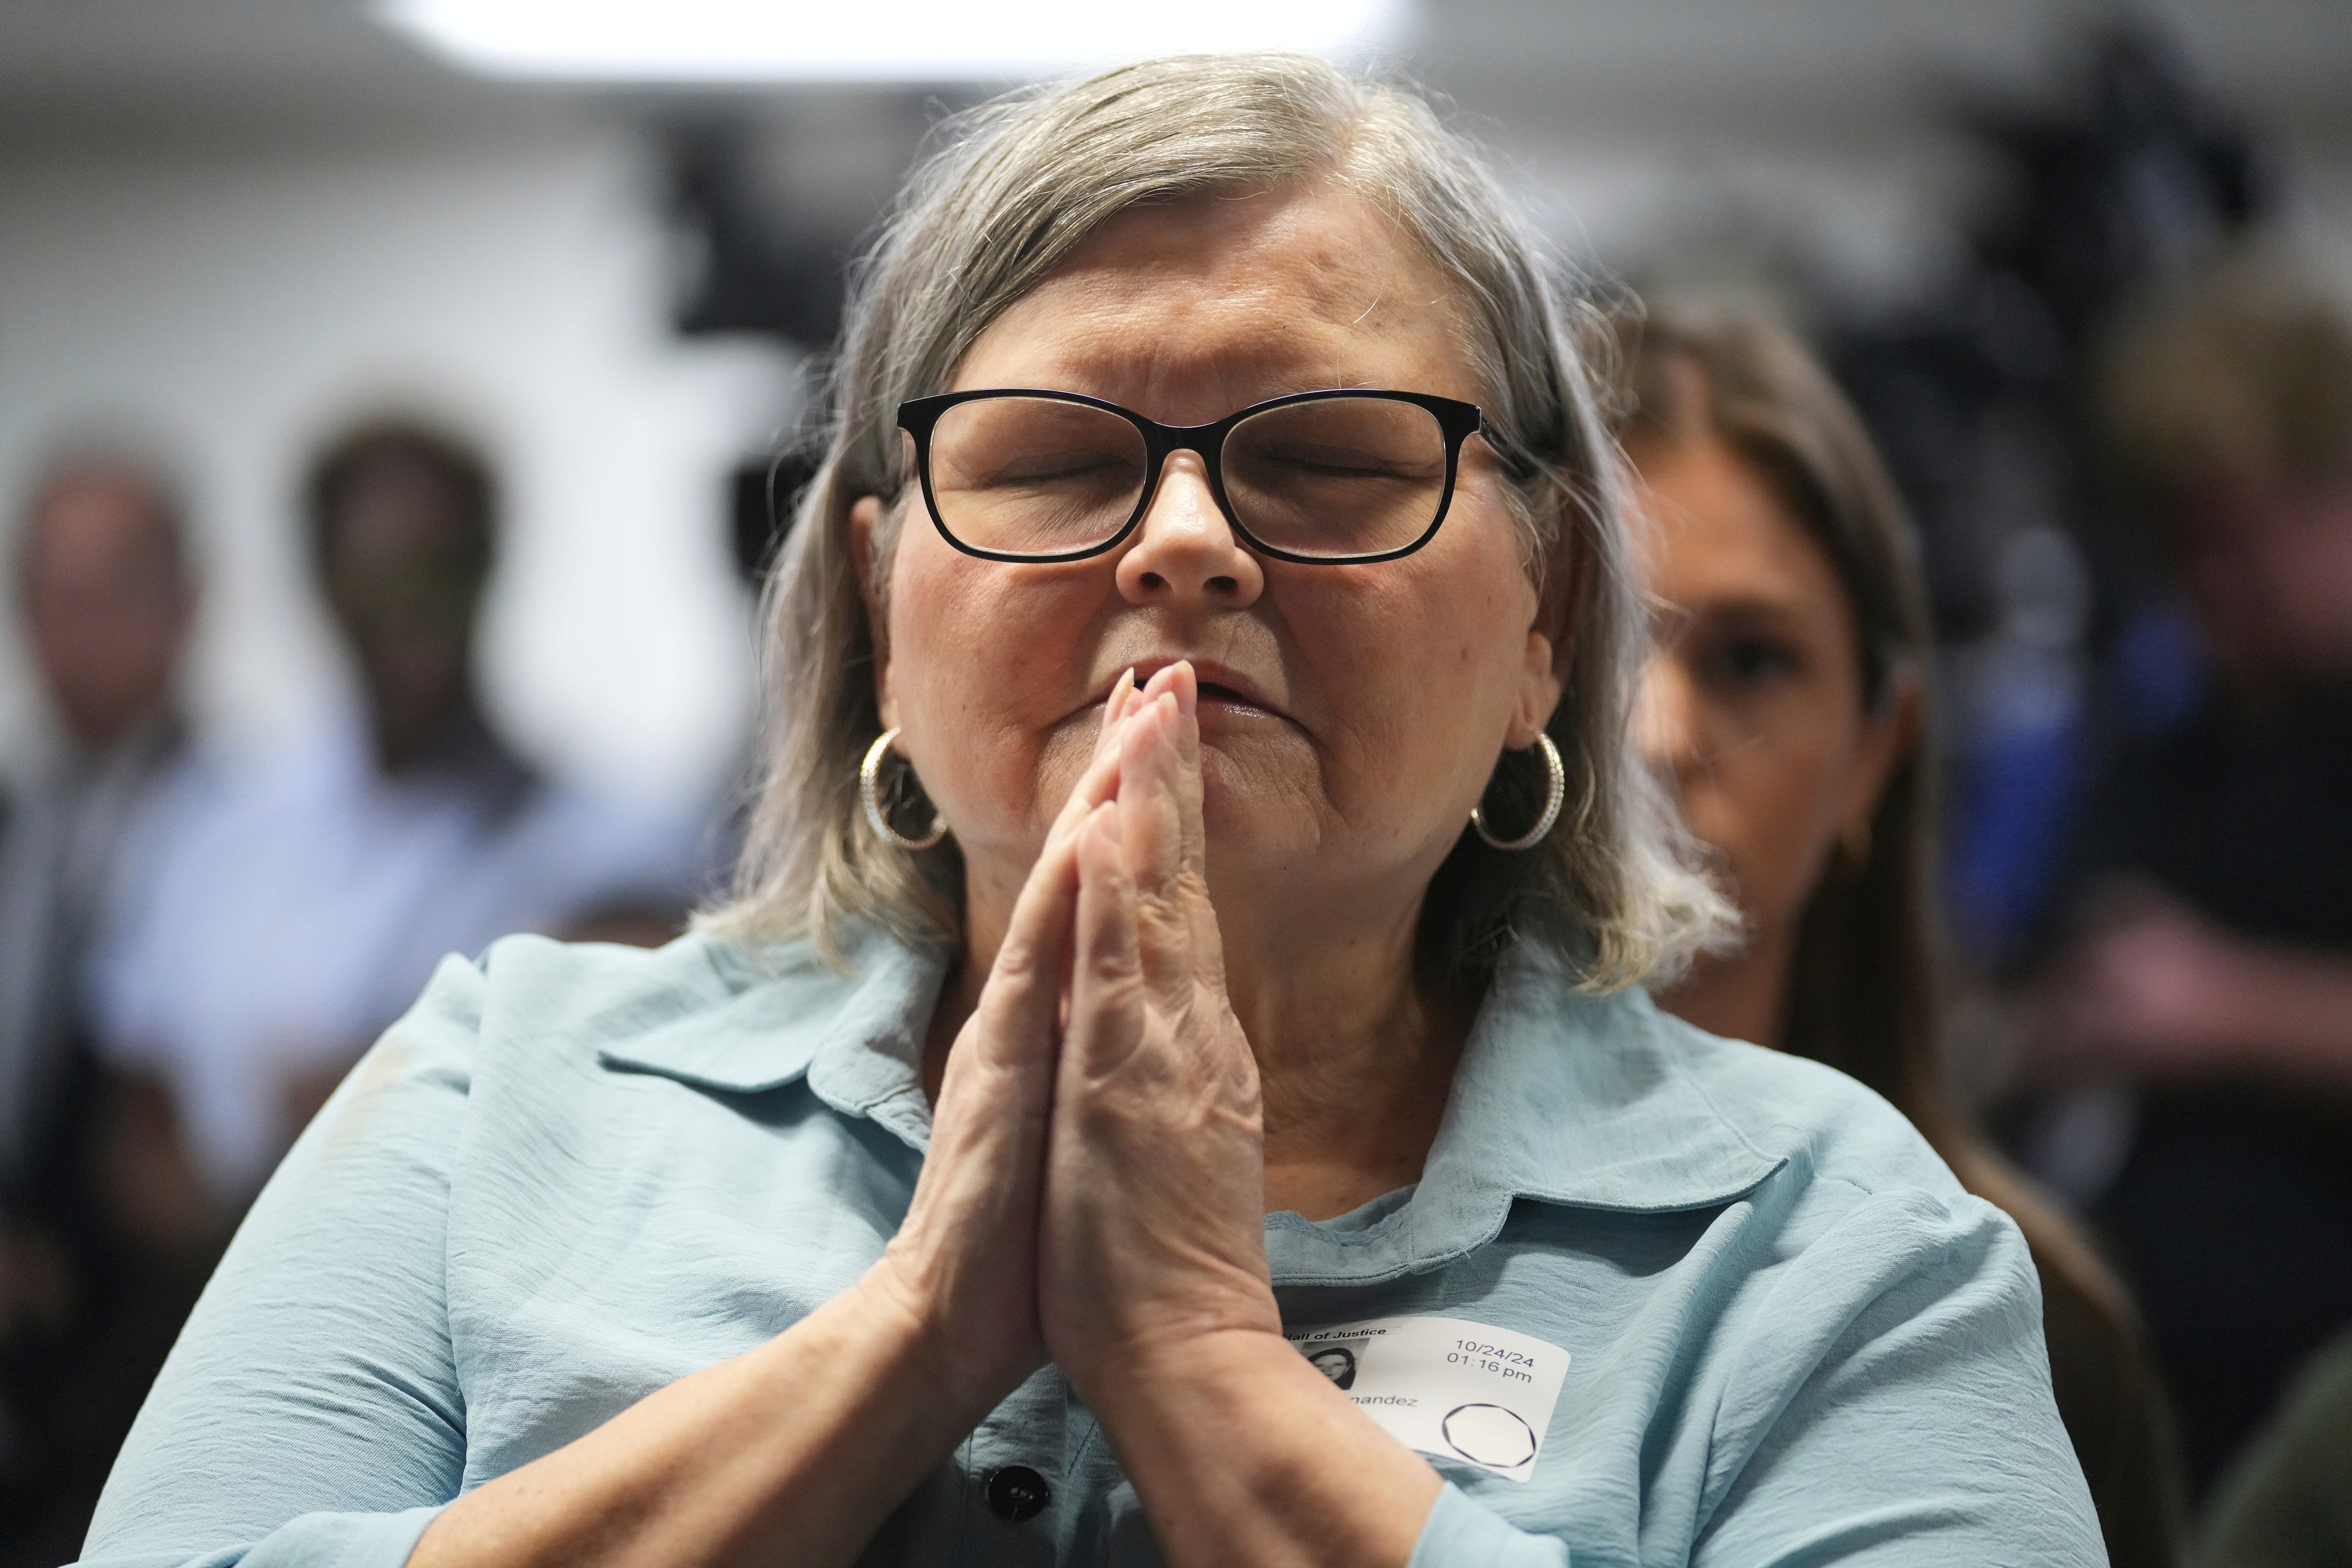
{"type": "Point", "coordinates": [1014, 186]}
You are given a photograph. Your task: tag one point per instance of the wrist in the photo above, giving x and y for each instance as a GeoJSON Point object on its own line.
{"type": "Point", "coordinates": [1241, 1450]}
{"type": "Point", "coordinates": [911, 1337]}
{"type": "Point", "coordinates": [1163, 1373]}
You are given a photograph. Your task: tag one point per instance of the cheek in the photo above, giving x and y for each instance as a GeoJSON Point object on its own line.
{"type": "Point", "coordinates": [1768, 803]}
{"type": "Point", "coordinates": [1422, 670]}
{"type": "Point", "coordinates": [984, 670]}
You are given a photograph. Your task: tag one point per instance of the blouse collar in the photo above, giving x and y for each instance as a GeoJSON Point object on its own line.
{"type": "Point", "coordinates": [1561, 1098]}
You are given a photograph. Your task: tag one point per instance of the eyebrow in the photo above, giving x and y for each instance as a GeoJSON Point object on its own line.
{"type": "Point", "coordinates": [1678, 619]}
{"type": "Point", "coordinates": [1747, 604]}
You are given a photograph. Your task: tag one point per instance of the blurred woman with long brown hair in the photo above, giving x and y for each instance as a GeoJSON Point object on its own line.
{"type": "Point", "coordinates": [1787, 703]}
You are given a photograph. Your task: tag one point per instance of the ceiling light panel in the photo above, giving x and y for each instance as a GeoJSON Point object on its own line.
{"type": "Point", "coordinates": [721, 41]}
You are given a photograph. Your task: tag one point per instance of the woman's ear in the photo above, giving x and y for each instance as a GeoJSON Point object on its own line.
{"type": "Point", "coordinates": [864, 519]}
{"type": "Point", "coordinates": [1889, 738]}
{"type": "Point", "coordinates": [1543, 678]}
{"type": "Point", "coordinates": [1549, 653]}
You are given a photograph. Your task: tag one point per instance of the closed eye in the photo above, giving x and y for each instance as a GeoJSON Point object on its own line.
{"type": "Point", "coordinates": [1062, 468]}
{"type": "Point", "coordinates": [1331, 462]}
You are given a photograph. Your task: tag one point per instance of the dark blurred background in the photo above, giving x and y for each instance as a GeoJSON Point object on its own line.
{"type": "Point", "coordinates": [239, 238]}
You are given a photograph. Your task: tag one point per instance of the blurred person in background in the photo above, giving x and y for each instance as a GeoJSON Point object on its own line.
{"type": "Point", "coordinates": [2286, 1499]}
{"type": "Point", "coordinates": [2206, 956]}
{"type": "Point", "coordinates": [295, 916]}
{"type": "Point", "coordinates": [88, 1306]}
{"type": "Point", "coordinates": [1788, 705]}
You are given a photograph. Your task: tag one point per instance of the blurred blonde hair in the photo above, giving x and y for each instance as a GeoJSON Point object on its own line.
{"type": "Point", "coordinates": [2237, 371]}
{"type": "Point", "coordinates": [1015, 185]}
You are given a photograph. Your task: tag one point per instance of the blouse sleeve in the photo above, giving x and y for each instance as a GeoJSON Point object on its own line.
{"type": "Point", "coordinates": [1892, 1408]}
{"type": "Point", "coordinates": [310, 1412]}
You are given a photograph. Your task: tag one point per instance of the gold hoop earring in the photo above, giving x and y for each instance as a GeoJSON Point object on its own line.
{"type": "Point", "coordinates": [1554, 795]}
{"type": "Point", "coordinates": [869, 790]}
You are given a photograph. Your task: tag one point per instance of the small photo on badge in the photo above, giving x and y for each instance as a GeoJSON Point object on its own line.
{"type": "Point", "coordinates": [1335, 1361]}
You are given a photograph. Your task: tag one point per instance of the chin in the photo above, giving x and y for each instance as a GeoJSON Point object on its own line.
{"type": "Point", "coordinates": [1257, 818]}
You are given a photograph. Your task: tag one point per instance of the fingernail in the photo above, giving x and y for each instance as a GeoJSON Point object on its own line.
{"type": "Point", "coordinates": [1187, 688]}
{"type": "Point", "coordinates": [1121, 691]}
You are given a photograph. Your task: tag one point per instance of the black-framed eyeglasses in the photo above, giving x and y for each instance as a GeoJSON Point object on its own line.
{"type": "Point", "coordinates": [1323, 478]}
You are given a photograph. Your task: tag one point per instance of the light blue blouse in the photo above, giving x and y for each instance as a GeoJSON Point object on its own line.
{"type": "Point", "coordinates": [572, 1175]}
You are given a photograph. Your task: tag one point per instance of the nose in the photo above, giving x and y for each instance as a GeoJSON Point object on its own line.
{"type": "Point", "coordinates": [1666, 718]}
{"type": "Point", "coordinates": [1184, 554]}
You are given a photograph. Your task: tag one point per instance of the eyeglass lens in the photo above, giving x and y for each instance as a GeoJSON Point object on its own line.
{"type": "Point", "coordinates": [1334, 477]}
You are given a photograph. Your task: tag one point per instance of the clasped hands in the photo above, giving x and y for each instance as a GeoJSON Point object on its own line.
{"type": "Point", "coordinates": [1093, 1191]}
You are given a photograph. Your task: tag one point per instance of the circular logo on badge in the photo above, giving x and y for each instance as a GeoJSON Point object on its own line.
{"type": "Point", "coordinates": [1489, 1435]}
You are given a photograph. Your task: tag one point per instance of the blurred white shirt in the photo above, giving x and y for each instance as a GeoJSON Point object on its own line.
{"type": "Point", "coordinates": [275, 920]}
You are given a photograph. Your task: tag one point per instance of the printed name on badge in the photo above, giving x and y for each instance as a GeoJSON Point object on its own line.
{"type": "Point", "coordinates": [1445, 1386]}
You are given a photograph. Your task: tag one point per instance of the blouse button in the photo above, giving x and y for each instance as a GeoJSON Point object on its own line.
{"type": "Point", "coordinates": [1017, 1493]}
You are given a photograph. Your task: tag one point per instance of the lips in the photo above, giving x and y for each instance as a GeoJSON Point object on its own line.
{"type": "Point", "coordinates": [1219, 683]}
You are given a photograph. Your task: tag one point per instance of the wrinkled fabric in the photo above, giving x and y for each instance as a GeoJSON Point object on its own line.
{"type": "Point", "coordinates": [572, 1175]}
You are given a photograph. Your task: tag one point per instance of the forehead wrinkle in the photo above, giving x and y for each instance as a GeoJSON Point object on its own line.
{"type": "Point", "coordinates": [1243, 355]}
{"type": "Point", "coordinates": [1293, 302]}
{"type": "Point", "coordinates": [1316, 236]}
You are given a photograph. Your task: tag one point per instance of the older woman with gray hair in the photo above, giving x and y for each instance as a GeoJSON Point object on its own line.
{"type": "Point", "coordinates": [1194, 926]}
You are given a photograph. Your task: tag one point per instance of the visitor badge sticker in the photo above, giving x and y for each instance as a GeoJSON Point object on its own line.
{"type": "Point", "coordinates": [1457, 1389]}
